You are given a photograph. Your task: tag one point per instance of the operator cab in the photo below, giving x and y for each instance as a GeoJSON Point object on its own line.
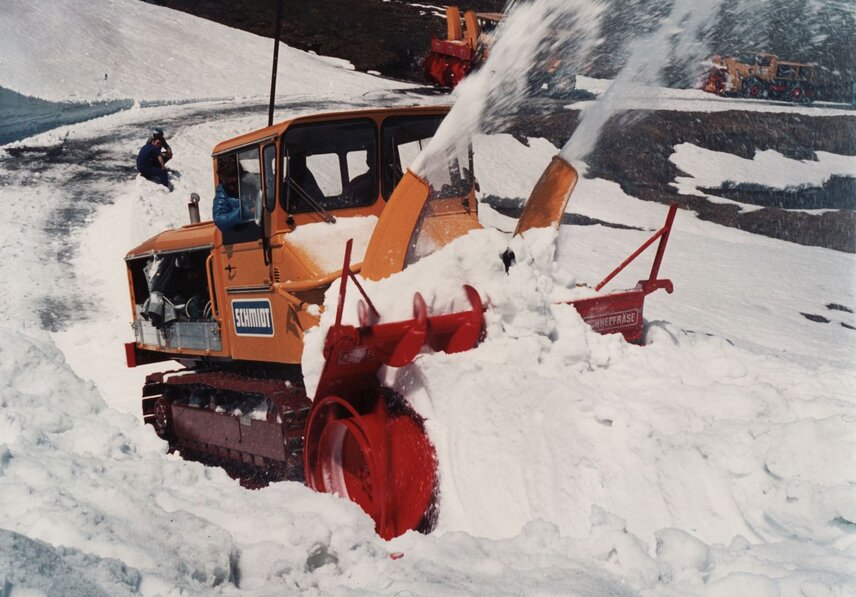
{"type": "Point", "coordinates": [304, 188]}
{"type": "Point", "coordinates": [315, 169]}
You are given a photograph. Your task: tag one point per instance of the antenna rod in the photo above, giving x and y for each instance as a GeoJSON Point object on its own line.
{"type": "Point", "coordinates": [275, 59]}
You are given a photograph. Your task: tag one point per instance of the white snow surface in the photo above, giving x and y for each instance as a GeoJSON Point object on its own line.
{"type": "Point", "coordinates": [326, 242]}
{"type": "Point", "coordinates": [718, 459]}
{"type": "Point", "coordinates": [646, 97]}
{"type": "Point", "coordinates": [768, 168]}
{"type": "Point", "coordinates": [85, 51]}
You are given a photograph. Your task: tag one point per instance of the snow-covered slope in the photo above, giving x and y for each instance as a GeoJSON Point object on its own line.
{"type": "Point", "coordinates": [718, 459]}
{"type": "Point", "coordinates": [125, 49]}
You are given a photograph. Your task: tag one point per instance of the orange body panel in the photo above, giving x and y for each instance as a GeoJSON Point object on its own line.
{"type": "Point", "coordinates": [186, 237]}
{"type": "Point", "coordinates": [289, 284]}
{"type": "Point", "coordinates": [388, 246]}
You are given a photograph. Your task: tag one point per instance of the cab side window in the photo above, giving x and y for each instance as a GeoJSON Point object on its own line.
{"type": "Point", "coordinates": [237, 205]}
{"type": "Point", "coordinates": [250, 184]}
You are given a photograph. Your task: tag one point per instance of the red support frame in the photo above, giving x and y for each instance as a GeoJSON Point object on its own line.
{"type": "Point", "coordinates": [663, 235]}
{"type": "Point", "coordinates": [621, 311]}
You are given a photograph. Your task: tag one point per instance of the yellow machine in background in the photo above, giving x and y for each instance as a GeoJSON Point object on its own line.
{"type": "Point", "coordinates": [761, 75]}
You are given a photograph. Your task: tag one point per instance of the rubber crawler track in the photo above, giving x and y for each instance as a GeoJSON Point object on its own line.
{"type": "Point", "coordinates": [193, 392]}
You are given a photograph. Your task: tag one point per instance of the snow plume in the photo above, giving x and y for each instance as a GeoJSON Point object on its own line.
{"type": "Point", "coordinates": [532, 33]}
{"type": "Point", "coordinates": [679, 38]}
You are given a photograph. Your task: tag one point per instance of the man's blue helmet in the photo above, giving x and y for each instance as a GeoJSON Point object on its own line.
{"type": "Point", "coordinates": [157, 133]}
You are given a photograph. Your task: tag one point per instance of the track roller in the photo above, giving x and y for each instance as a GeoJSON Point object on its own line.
{"type": "Point", "coordinates": [162, 420]}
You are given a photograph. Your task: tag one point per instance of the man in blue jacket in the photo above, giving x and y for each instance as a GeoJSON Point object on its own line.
{"type": "Point", "coordinates": [152, 158]}
{"type": "Point", "coordinates": [227, 211]}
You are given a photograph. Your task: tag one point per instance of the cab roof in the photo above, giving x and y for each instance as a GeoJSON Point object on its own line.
{"type": "Point", "coordinates": [275, 130]}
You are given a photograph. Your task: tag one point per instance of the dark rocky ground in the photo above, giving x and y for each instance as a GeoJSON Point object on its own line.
{"type": "Point", "coordinates": [635, 153]}
{"type": "Point", "coordinates": [391, 37]}
{"type": "Point", "coordinates": [388, 36]}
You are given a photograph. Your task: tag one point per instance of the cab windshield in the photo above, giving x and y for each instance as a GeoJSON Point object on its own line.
{"type": "Point", "coordinates": [330, 166]}
{"type": "Point", "coordinates": [402, 139]}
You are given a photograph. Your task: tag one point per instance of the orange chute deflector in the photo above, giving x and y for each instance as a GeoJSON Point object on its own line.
{"type": "Point", "coordinates": [388, 245]}
{"type": "Point", "coordinates": [453, 23]}
{"type": "Point", "coordinates": [415, 223]}
{"type": "Point", "coordinates": [549, 198]}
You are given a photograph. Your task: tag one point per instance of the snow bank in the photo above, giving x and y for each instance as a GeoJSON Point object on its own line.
{"type": "Point", "coordinates": [126, 49]}
{"type": "Point", "coordinates": [78, 474]}
{"type": "Point", "coordinates": [325, 242]}
{"type": "Point", "coordinates": [712, 169]}
{"type": "Point", "coordinates": [571, 417]}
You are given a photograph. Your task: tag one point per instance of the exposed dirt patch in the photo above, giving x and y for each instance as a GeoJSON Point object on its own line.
{"type": "Point", "coordinates": [839, 192]}
{"type": "Point", "coordinates": [836, 315]}
{"type": "Point", "coordinates": [837, 307]}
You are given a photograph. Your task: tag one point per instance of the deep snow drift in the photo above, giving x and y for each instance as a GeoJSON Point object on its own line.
{"type": "Point", "coordinates": [715, 460]}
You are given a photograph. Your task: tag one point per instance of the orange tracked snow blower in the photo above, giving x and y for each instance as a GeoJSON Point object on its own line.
{"type": "Point", "coordinates": [232, 307]}
{"type": "Point", "coordinates": [467, 47]}
{"type": "Point", "coordinates": [464, 49]}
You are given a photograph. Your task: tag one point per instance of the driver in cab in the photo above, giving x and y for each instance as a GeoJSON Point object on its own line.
{"type": "Point", "coordinates": [227, 209]}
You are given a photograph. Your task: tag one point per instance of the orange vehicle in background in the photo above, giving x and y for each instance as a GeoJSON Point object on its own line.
{"type": "Point", "coordinates": [760, 75]}
{"type": "Point", "coordinates": [464, 49]}
{"type": "Point", "coordinates": [467, 47]}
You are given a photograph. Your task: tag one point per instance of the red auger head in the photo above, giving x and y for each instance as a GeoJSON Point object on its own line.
{"type": "Point", "coordinates": [377, 455]}
{"type": "Point", "coordinates": [363, 441]}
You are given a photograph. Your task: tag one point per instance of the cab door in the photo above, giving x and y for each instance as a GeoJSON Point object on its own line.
{"type": "Point", "coordinates": [242, 256]}
{"type": "Point", "coordinates": [249, 310]}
